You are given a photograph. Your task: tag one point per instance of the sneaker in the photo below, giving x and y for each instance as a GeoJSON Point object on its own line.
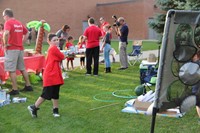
{"type": "Point", "coordinates": [13, 92]}
{"type": "Point", "coordinates": [33, 110]}
{"type": "Point", "coordinates": [55, 112]}
{"type": "Point", "coordinates": [56, 115]}
{"type": "Point", "coordinates": [27, 88]}
{"type": "Point", "coordinates": [87, 74]}
{"type": "Point", "coordinates": [96, 75]}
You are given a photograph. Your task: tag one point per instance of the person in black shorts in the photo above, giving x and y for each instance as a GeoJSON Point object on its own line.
{"type": "Point", "coordinates": [52, 77]}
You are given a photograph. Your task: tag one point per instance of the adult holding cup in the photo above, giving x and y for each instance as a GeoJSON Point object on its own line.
{"type": "Point", "coordinates": [122, 30]}
{"type": "Point", "coordinates": [92, 34]}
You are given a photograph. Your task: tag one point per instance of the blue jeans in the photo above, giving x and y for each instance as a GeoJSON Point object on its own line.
{"type": "Point", "coordinates": [106, 50]}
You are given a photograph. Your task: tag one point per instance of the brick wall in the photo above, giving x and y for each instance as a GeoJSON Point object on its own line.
{"type": "Point", "coordinates": [136, 14]}
{"type": "Point", "coordinates": [73, 12]}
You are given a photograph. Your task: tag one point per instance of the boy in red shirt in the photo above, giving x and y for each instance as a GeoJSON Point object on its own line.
{"type": "Point", "coordinates": [69, 44]}
{"type": "Point", "coordinates": [52, 77]}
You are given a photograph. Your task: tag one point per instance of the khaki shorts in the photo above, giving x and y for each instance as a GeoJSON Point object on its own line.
{"type": "Point", "coordinates": [14, 60]}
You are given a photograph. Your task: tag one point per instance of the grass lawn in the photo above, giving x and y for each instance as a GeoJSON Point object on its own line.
{"type": "Point", "coordinates": [76, 102]}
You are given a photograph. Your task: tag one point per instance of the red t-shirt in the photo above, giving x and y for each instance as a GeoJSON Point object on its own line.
{"type": "Point", "coordinates": [17, 30]}
{"type": "Point", "coordinates": [81, 45]}
{"type": "Point", "coordinates": [52, 74]}
{"type": "Point", "coordinates": [1, 45]}
{"type": "Point", "coordinates": [93, 33]}
{"type": "Point", "coordinates": [68, 45]}
{"type": "Point", "coordinates": [1, 50]}
{"type": "Point", "coordinates": [102, 31]}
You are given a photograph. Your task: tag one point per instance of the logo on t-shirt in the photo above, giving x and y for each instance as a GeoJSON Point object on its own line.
{"type": "Point", "coordinates": [18, 28]}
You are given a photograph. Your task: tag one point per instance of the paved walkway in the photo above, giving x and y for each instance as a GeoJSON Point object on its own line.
{"type": "Point", "coordinates": [144, 56]}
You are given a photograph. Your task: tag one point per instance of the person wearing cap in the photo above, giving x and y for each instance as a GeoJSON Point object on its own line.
{"type": "Point", "coordinates": [122, 31]}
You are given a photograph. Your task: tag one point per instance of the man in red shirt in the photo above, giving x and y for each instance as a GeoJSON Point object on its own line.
{"type": "Point", "coordinates": [92, 34]}
{"type": "Point", "coordinates": [14, 36]}
{"type": "Point", "coordinates": [103, 23]}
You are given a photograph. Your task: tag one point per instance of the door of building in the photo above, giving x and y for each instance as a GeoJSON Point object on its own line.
{"type": "Point", "coordinates": [85, 25]}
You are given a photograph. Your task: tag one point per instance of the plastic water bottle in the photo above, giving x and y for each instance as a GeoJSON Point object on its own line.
{"type": "Point", "coordinates": [76, 49]}
{"type": "Point", "coordinates": [65, 53]}
{"type": "Point", "coordinates": [19, 100]}
{"type": "Point", "coordinates": [2, 95]}
{"type": "Point", "coordinates": [8, 99]}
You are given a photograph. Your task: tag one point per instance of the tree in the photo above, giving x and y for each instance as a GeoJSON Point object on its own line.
{"type": "Point", "coordinates": [159, 19]}
{"type": "Point", "coordinates": [192, 5]}
{"type": "Point", "coordinates": [39, 26]}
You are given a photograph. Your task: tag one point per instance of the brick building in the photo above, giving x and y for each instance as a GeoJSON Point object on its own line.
{"type": "Point", "coordinates": [75, 12]}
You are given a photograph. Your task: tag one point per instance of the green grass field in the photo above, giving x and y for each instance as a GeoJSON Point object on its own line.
{"type": "Point", "coordinates": [76, 102]}
{"type": "Point", "coordinates": [79, 110]}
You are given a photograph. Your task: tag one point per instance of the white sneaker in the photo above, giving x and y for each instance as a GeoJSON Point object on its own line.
{"type": "Point", "coordinates": [56, 115]}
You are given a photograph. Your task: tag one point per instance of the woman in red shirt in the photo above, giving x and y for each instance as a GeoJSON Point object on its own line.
{"type": "Point", "coordinates": [1, 41]}
{"type": "Point", "coordinates": [52, 77]}
{"type": "Point", "coordinates": [68, 46]}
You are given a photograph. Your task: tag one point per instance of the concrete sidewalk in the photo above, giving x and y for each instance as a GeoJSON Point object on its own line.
{"type": "Point", "coordinates": [144, 56]}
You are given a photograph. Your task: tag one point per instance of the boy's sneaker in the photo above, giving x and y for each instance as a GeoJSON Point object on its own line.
{"type": "Point", "coordinates": [33, 110]}
{"type": "Point", "coordinates": [56, 115]}
{"type": "Point", "coordinates": [27, 88]}
{"type": "Point", "coordinates": [55, 112]}
{"type": "Point", "coordinates": [13, 92]}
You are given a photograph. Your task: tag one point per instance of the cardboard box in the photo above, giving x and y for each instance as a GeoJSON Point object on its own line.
{"type": "Point", "coordinates": [141, 105]}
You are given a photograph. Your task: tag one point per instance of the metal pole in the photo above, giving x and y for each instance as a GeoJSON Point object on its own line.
{"type": "Point", "coordinates": [153, 120]}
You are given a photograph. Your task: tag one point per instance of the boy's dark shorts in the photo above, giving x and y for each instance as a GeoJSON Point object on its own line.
{"type": "Point", "coordinates": [51, 92]}
{"type": "Point", "coordinates": [82, 59]}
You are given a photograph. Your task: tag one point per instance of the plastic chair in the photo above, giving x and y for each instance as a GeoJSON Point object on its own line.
{"type": "Point", "coordinates": [136, 54]}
